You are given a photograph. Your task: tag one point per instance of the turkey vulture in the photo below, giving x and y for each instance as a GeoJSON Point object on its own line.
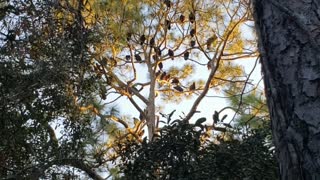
{"type": "Point", "coordinates": [192, 18]}
{"type": "Point", "coordinates": [142, 39]}
{"type": "Point", "coordinates": [186, 55]}
{"type": "Point", "coordinates": [171, 54]}
{"type": "Point", "coordinates": [192, 87]}
{"type": "Point", "coordinates": [182, 18]}
{"type": "Point", "coordinates": [152, 42]}
{"type": "Point", "coordinates": [138, 57]}
{"type": "Point", "coordinates": [178, 88]}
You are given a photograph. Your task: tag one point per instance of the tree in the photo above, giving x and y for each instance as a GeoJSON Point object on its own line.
{"type": "Point", "coordinates": [167, 42]}
{"type": "Point", "coordinates": [192, 151]}
{"type": "Point", "coordinates": [289, 48]}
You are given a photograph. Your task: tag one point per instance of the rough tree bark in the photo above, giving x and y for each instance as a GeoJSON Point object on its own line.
{"type": "Point", "coordinates": [289, 44]}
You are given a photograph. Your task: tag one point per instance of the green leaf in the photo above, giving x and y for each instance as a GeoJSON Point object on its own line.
{"type": "Point", "coordinates": [224, 117]}
{"type": "Point", "coordinates": [175, 122]}
{"type": "Point", "coordinates": [200, 121]}
{"type": "Point", "coordinates": [227, 125]}
{"type": "Point", "coordinates": [170, 115]}
{"type": "Point", "coordinates": [215, 117]}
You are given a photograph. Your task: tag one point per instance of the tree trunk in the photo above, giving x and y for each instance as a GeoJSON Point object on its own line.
{"type": "Point", "coordinates": [288, 33]}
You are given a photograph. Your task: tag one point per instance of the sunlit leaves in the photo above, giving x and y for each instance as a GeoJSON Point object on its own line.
{"type": "Point", "coordinates": [226, 74]}
{"type": "Point", "coordinates": [167, 30]}
{"type": "Point", "coordinates": [236, 43]}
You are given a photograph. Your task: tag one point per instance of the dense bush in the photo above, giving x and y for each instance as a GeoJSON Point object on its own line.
{"type": "Point", "coordinates": [180, 152]}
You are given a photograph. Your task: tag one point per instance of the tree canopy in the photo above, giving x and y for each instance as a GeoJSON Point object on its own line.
{"type": "Point", "coordinates": [65, 63]}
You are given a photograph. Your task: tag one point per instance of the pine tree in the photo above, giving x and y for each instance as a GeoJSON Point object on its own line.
{"type": "Point", "coordinates": [290, 63]}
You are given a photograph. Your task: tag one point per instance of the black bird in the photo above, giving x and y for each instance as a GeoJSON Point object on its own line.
{"type": "Point", "coordinates": [186, 55]}
{"type": "Point", "coordinates": [129, 36]}
{"type": "Point", "coordinates": [155, 57]}
{"type": "Point", "coordinates": [142, 39]}
{"type": "Point", "coordinates": [138, 57]}
{"type": "Point", "coordinates": [157, 50]}
{"type": "Point", "coordinates": [163, 75]}
{"type": "Point", "coordinates": [167, 77]}
{"type": "Point", "coordinates": [210, 41]}
{"type": "Point", "coordinates": [158, 73]}
{"type": "Point", "coordinates": [171, 54]}
{"type": "Point", "coordinates": [128, 57]}
{"type": "Point", "coordinates": [209, 65]}
{"type": "Point", "coordinates": [175, 81]}
{"type": "Point", "coordinates": [192, 87]}
{"type": "Point", "coordinates": [160, 65]}
{"type": "Point", "coordinates": [152, 42]}
{"type": "Point", "coordinates": [192, 18]}
{"type": "Point", "coordinates": [192, 32]}
{"type": "Point", "coordinates": [178, 88]}
{"type": "Point", "coordinates": [168, 24]}
{"type": "Point", "coordinates": [167, 3]}
{"type": "Point", "coordinates": [182, 18]}
{"type": "Point", "coordinates": [193, 43]}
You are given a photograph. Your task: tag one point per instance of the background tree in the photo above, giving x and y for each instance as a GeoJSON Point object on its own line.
{"type": "Point", "coordinates": [250, 106]}
{"type": "Point", "coordinates": [289, 50]}
{"type": "Point", "coordinates": [167, 43]}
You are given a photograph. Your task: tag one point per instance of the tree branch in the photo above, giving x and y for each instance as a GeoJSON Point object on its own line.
{"type": "Point", "coordinates": [80, 165]}
{"type": "Point", "coordinates": [212, 73]}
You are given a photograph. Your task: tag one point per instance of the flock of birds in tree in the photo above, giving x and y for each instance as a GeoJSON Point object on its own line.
{"type": "Point", "coordinates": [163, 76]}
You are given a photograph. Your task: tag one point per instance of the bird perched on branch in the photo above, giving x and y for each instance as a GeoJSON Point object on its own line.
{"type": "Point", "coordinates": [192, 17]}
{"type": "Point", "coordinates": [167, 3]}
{"type": "Point", "coordinates": [129, 34]}
{"type": "Point", "coordinates": [163, 75]}
{"type": "Point", "coordinates": [175, 81]}
{"type": "Point", "coordinates": [182, 18]}
{"type": "Point", "coordinates": [155, 57]}
{"type": "Point", "coordinates": [157, 50]}
{"type": "Point", "coordinates": [192, 86]}
{"type": "Point", "coordinates": [186, 55]}
{"type": "Point", "coordinates": [178, 88]}
{"type": "Point", "coordinates": [152, 42]}
{"type": "Point", "coordinates": [138, 57]}
{"type": "Point", "coordinates": [142, 39]}
{"type": "Point", "coordinates": [160, 65]}
{"type": "Point", "coordinates": [171, 54]}
{"type": "Point", "coordinates": [168, 24]}
{"type": "Point", "coordinates": [192, 32]}
{"type": "Point", "coordinates": [193, 43]}
{"type": "Point", "coordinates": [210, 41]}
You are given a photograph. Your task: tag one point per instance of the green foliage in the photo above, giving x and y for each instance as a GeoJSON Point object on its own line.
{"type": "Point", "coordinates": [179, 152]}
{"type": "Point", "coordinates": [252, 112]}
{"type": "Point", "coordinates": [45, 76]}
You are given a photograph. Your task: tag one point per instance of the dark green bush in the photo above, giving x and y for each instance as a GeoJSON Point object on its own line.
{"type": "Point", "coordinates": [179, 152]}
